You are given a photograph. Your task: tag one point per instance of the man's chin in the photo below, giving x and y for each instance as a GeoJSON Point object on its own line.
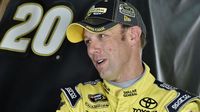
{"type": "Point", "coordinates": [105, 76]}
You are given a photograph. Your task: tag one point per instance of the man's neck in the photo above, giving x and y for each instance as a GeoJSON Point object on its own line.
{"type": "Point", "coordinates": [125, 84]}
{"type": "Point", "coordinates": [128, 83]}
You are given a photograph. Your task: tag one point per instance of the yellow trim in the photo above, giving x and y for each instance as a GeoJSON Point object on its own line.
{"type": "Point", "coordinates": [74, 32]}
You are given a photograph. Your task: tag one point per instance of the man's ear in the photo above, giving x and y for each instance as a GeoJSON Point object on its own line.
{"type": "Point", "coordinates": [134, 34]}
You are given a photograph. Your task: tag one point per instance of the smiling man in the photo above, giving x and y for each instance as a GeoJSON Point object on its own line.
{"type": "Point", "coordinates": [115, 36]}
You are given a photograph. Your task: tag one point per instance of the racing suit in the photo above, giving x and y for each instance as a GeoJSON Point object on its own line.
{"type": "Point", "coordinates": [146, 95]}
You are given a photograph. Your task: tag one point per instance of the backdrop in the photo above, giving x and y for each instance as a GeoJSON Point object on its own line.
{"type": "Point", "coordinates": [176, 32]}
{"type": "Point", "coordinates": [36, 59]}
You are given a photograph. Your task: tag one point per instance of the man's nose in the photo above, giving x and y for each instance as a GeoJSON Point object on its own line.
{"type": "Point", "coordinates": [94, 48]}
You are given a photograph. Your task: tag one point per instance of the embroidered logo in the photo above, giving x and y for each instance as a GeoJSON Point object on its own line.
{"type": "Point", "coordinates": [130, 93]}
{"type": "Point", "coordinates": [148, 103]}
{"type": "Point", "coordinates": [97, 98]}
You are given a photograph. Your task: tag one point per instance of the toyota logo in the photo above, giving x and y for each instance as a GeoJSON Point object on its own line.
{"type": "Point", "coordinates": [148, 103]}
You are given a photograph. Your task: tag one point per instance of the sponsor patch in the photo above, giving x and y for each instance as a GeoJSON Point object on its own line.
{"type": "Point", "coordinates": [164, 85]}
{"type": "Point", "coordinates": [148, 103]}
{"type": "Point", "coordinates": [72, 95]}
{"type": "Point", "coordinates": [130, 93]}
{"type": "Point", "coordinates": [143, 110]}
{"type": "Point", "coordinates": [96, 29]}
{"type": "Point", "coordinates": [126, 18]}
{"type": "Point", "coordinates": [99, 105]}
{"type": "Point", "coordinates": [97, 101]}
{"type": "Point", "coordinates": [92, 82]}
{"type": "Point", "coordinates": [97, 98]}
{"type": "Point", "coordinates": [126, 10]}
{"type": "Point", "coordinates": [182, 98]}
{"type": "Point", "coordinates": [96, 11]}
{"type": "Point", "coordinates": [106, 88]}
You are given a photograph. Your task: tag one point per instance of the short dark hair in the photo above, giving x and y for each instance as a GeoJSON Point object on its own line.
{"type": "Point", "coordinates": [142, 37]}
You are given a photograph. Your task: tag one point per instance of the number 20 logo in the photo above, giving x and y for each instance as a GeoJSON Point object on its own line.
{"type": "Point", "coordinates": [49, 35]}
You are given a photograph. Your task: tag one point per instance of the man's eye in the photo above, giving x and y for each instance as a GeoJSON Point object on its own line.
{"type": "Point", "coordinates": [102, 36]}
{"type": "Point", "coordinates": [87, 42]}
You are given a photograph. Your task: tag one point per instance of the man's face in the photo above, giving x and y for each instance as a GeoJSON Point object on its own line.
{"type": "Point", "coordinates": [109, 52]}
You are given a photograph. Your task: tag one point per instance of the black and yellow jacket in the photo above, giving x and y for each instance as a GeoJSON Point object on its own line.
{"type": "Point", "coordinates": [146, 95]}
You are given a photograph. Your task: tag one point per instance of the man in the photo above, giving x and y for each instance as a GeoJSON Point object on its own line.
{"type": "Point", "coordinates": [115, 35]}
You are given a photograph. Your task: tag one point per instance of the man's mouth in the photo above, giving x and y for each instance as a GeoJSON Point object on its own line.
{"type": "Point", "coordinates": [100, 61]}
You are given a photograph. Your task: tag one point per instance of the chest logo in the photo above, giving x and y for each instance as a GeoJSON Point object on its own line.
{"type": "Point", "coordinates": [148, 103]}
{"type": "Point", "coordinates": [97, 98]}
{"type": "Point", "coordinates": [130, 93]}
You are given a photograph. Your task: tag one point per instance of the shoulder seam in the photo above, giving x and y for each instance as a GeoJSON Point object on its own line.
{"type": "Point", "coordinates": [72, 95]}
{"type": "Point", "coordinates": [181, 99]}
{"type": "Point", "coordinates": [164, 85]}
{"type": "Point", "coordinates": [92, 82]}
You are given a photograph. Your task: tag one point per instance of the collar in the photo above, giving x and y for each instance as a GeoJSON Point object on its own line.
{"type": "Point", "coordinates": [126, 83]}
{"type": "Point", "coordinates": [136, 89]}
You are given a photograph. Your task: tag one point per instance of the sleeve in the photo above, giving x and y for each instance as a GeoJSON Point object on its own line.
{"type": "Point", "coordinates": [184, 102]}
{"type": "Point", "coordinates": [191, 107]}
{"type": "Point", "coordinates": [63, 106]}
{"type": "Point", "coordinates": [71, 100]}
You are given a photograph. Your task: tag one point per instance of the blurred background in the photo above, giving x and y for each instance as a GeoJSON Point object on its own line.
{"type": "Point", "coordinates": [36, 59]}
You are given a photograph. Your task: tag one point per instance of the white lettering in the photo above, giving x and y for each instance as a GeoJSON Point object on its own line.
{"type": "Point", "coordinates": [71, 92]}
{"type": "Point", "coordinates": [50, 29]}
{"type": "Point", "coordinates": [180, 101]}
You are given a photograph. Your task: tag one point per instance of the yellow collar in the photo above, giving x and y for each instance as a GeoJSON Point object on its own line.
{"type": "Point", "coordinates": [138, 88]}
